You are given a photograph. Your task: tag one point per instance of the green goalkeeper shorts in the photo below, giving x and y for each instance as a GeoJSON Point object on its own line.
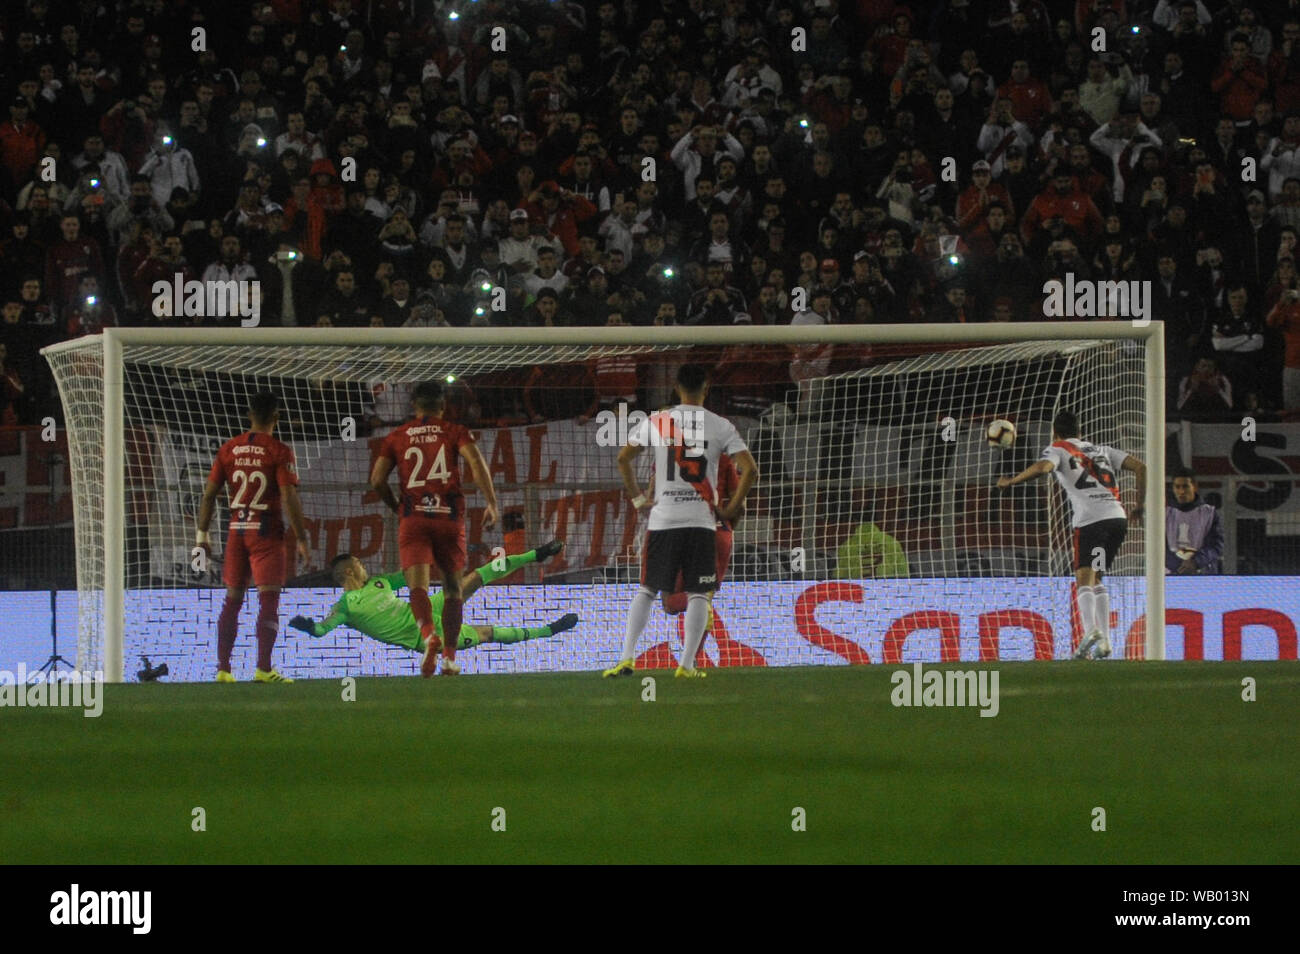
{"type": "Point", "coordinates": [469, 638]}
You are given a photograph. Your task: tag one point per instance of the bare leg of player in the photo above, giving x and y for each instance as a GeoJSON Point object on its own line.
{"type": "Point", "coordinates": [417, 580]}
{"type": "Point", "coordinates": [469, 584]}
{"type": "Point", "coordinates": [228, 626]}
{"type": "Point", "coordinates": [453, 606]}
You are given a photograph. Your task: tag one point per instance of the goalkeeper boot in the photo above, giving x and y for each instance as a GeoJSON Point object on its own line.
{"type": "Point", "coordinates": [1085, 647]}
{"type": "Point", "coordinates": [625, 667]}
{"type": "Point", "coordinates": [692, 673]}
{"type": "Point", "coordinates": [264, 675]}
{"type": "Point", "coordinates": [1103, 647]}
{"type": "Point", "coordinates": [449, 667]}
{"type": "Point", "coordinates": [548, 550]}
{"type": "Point", "coordinates": [564, 623]}
{"type": "Point", "coordinates": [223, 676]}
{"type": "Point", "coordinates": [432, 647]}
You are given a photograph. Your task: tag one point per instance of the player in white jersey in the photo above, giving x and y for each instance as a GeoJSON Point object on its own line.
{"type": "Point", "coordinates": [1089, 475]}
{"type": "Point", "coordinates": [687, 441]}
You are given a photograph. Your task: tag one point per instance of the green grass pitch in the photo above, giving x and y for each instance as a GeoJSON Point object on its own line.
{"type": "Point", "coordinates": [711, 771]}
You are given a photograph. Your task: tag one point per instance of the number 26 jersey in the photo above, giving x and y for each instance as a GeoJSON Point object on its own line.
{"type": "Point", "coordinates": [1089, 475]}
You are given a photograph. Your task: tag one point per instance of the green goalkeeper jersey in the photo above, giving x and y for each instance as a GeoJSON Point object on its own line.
{"type": "Point", "coordinates": [376, 610]}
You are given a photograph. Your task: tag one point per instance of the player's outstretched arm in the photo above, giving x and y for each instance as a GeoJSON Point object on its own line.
{"type": "Point", "coordinates": [1036, 469]}
{"type": "Point", "coordinates": [305, 625]}
{"type": "Point", "coordinates": [1139, 469]}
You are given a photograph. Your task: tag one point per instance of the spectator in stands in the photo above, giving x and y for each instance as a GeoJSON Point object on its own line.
{"type": "Point", "coordinates": [1285, 316]}
{"type": "Point", "coordinates": [21, 142]}
{"type": "Point", "coordinates": [1194, 537]}
{"type": "Point", "coordinates": [717, 301]}
{"type": "Point", "coordinates": [1062, 206]}
{"type": "Point", "coordinates": [1239, 81]}
{"type": "Point", "coordinates": [346, 304]}
{"type": "Point", "coordinates": [169, 167]}
{"type": "Point", "coordinates": [1205, 390]}
{"type": "Point", "coordinates": [69, 259]}
{"type": "Point", "coordinates": [13, 392]}
{"type": "Point", "coordinates": [89, 311]}
{"type": "Point", "coordinates": [1237, 337]}
{"type": "Point", "coordinates": [974, 202]}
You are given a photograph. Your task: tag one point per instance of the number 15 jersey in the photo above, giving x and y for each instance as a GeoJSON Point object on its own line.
{"type": "Point", "coordinates": [687, 441]}
{"type": "Point", "coordinates": [426, 453]}
{"type": "Point", "coordinates": [1088, 473]}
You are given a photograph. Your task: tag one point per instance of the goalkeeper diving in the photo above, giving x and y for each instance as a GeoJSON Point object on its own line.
{"type": "Point", "coordinates": [370, 605]}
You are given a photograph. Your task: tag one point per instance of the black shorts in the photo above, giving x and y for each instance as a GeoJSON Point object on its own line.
{"type": "Point", "coordinates": [1104, 535]}
{"type": "Point", "coordinates": [686, 550]}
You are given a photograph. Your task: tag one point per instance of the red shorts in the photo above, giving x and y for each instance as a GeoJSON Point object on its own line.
{"type": "Point", "coordinates": [267, 560]}
{"type": "Point", "coordinates": [440, 543]}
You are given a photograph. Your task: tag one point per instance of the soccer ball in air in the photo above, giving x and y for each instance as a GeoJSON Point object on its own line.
{"type": "Point", "coordinates": [1001, 434]}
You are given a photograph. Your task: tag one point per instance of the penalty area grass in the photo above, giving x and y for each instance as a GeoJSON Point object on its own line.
{"type": "Point", "coordinates": [581, 769]}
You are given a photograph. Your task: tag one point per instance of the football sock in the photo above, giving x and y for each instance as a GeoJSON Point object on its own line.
{"type": "Point", "coordinates": [1086, 602]}
{"type": "Point", "coordinates": [487, 573]}
{"type": "Point", "coordinates": [421, 608]}
{"type": "Point", "coordinates": [227, 630]}
{"type": "Point", "coordinates": [1101, 608]}
{"type": "Point", "coordinates": [638, 614]}
{"type": "Point", "coordinates": [697, 615]}
{"type": "Point", "coordinates": [517, 634]}
{"type": "Point", "coordinates": [452, 617]}
{"type": "Point", "coordinates": [268, 627]}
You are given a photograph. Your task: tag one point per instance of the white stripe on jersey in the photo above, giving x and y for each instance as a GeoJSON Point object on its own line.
{"type": "Point", "coordinates": [1091, 498]}
{"type": "Point", "coordinates": [703, 435]}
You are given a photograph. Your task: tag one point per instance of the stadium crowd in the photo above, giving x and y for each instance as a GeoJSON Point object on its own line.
{"type": "Point", "coordinates": [388, 163]}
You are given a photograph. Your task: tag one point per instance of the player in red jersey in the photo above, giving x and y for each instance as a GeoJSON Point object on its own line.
{"type": "Point", "coordinates": [259, 469]}
{"type": "Point", "coordinates": [426, 453]}
{"type": "Point", "coordinates": [675, 602]}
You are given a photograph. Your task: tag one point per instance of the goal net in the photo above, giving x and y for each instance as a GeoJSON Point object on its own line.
{"type": "Point", "coordinates": [875, 534]}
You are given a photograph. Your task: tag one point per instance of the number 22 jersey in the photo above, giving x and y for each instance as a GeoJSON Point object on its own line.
{"type": "Point", "coordinates": [255, 466]}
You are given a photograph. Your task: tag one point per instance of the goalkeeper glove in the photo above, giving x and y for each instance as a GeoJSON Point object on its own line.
{"type": "Point", "coordinates": [303, 624]}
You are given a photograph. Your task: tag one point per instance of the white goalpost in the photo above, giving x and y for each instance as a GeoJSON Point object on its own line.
{"type": "Point", "coordinates": [875, 533]}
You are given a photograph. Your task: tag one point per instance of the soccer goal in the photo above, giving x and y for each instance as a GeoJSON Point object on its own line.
{"type": "Point", "coordinates": [876, 533]}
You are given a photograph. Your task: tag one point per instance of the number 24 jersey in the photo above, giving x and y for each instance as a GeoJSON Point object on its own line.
{"type": "Point", "coordinates": [426, 452]}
